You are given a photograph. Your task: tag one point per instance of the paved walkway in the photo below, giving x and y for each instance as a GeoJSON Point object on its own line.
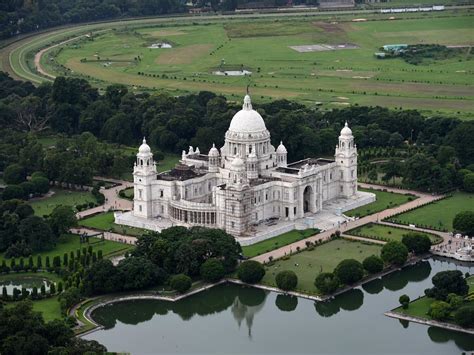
{"type": "Point", "coordinates": [112, 199]}
{"type": "Point", "coordinates": [422, 199]}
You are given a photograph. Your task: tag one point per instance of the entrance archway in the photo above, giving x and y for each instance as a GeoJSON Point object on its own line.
{"type": "Point", "coordinates": [308, 197]}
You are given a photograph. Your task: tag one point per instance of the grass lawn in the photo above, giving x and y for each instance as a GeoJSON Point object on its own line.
{"type": "Point", "coordinates": [128, 193]}
{"type": "Point", "coordinates": [276, 242]}
{"type": "Point", "coordinates": [70, 243]}
{"type": "Point", "coordinates": [384, 200]}
{"type": "Point", "coordinates": [323, 258]}
{"type": "Point", "coordinates": [381, 232]}
{"type": "Point", "coordinates": [46, 205]}
{"type": "Point", "coordinates": [105, 222]}
{"type": "Point", "coordinates": [440, 214]}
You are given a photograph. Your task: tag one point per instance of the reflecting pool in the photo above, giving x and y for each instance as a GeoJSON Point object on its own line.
{"type": "Point", "coordinates": [237, 320]}
{"type": "Point", "coordinates": [28, 282]}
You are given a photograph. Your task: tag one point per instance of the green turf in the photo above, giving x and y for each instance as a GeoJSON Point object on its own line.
{"type": "Point", "coordinates": [323, 258]}
{"type": "Point", "coordinates": [440, 214]}
{"type": "Point", "coordinates": [70, 243]}
{"type": "Point", "coordinates": [383, 201]}
{"type": "Point", "coordinates": [276, 242]}
{"type": "Point", "coordinates": [343, 77]}
{"type": "Point", "coordinates": [128, 193]}
{"type": "Point", "coordinates": [105, 222]}
{"type": "Point", "coordinates": [384, 232]}
{"type": "Point", "coordinates": [45, 206]}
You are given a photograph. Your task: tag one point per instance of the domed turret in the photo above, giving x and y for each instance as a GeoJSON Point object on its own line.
{"type": "Point", "coordinates": [213, 156]}
{"type": "Point", "coordinates": [281, 155]}
{"type": "Point", "coordinates": [346, 131]}
{"type": "Point", "coordinates": [144, 148]}
{"type": "Point", "coordinates": [252, 166]}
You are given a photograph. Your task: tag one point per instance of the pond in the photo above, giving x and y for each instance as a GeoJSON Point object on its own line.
{"type": "Point", "coordinates": [27, 282]}
{"type": "Point", "coordinates": [234, 319]}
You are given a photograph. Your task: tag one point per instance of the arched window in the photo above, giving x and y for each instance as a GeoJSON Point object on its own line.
{"type": "Point", "coordinates": [342, 145]}
{"type": "Point", "coordinates": [235, 150]}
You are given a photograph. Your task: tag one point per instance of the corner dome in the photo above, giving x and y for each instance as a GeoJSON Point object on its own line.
{"type": "Point", "coordinates": [281, 149]}
{"type": "Point", "coordinates": [144, 148]}
{"type": "Point", "coordinates": [346, 131]}
{"type": "Point", "coordinates": [213, 152]}
{"type": "Point", "coordinates": [247, 120]}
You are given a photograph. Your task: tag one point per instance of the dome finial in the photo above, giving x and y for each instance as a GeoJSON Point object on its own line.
{"type": "Point", "coordinates": [346, 125]}
{"type": "Point", "coordinates": [247, 103]}
{"type": "Point", "coordinates": [144, 140]}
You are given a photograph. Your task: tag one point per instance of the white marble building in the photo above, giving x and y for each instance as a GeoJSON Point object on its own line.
{"type": "Point", "coordinates": [247, 187]}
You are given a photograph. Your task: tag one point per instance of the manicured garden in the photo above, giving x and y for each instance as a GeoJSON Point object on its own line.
{"type": "Point", "coordinates": [71, 242]}
{"type": "Point", "coordinates": [383, 201]}
{"type": "Point", "coordinates": [439, 214]}
{"type": "Point", "coordinates": [387, 233]}
{"type": "Point", "coordinates": [105, 222]}
{"type": "Point", "coordinates": [277, 242]}
{"type": "Point", "coordinates": [44, 206]}
{"type": "Point", "coordinates": [323, 258]}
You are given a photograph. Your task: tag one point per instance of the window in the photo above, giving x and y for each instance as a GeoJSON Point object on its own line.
{"type": "Point", "coordinates": [161, 193]}
{"type": "Point", "coordinates": [342, 175]}
{"type": "Point", "coordinates": [235, 150]}
{"type": "Point", "coordinates": [266, 196]}
{"type": "Point", "coordinates": [139, 193]}
{"type": "Point", "coordinates": [233, 224]}
{"type": "Point", "coordinates": [352, 173]}
{"type": "Point", "coordinates": [330, 176]}
{"type": "Point", "coordinates": [233, 209]}
{"type": "Point", "coordinates": [342, 189]}
{"type": "Point", "coordinates": [140, 208]}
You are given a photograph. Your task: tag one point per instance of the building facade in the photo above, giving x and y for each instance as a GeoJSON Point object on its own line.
{"type": "Point", "coordinates": [243, 184]}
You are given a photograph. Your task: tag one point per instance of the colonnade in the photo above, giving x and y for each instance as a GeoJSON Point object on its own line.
{"type": "Point", "coordinates": [193, 217]}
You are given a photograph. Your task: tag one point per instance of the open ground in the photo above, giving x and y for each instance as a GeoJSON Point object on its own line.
{"type": "Point", "coordinates": [117, 53]}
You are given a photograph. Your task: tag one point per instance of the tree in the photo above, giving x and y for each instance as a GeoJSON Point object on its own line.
{"type": "Point", "coordinates": [417, 243]}
{"type": "Point", "coordinates": [464, 222]}
{"type": "Point", "coordinates": [62, 218]}
{"type": "Point", "coordinates": [373, 264]}
{"type": "Point", "coordinates": [37, 233]}
{"type": "Point", "coordinates": [14, 174]}
{"type": "Point", "coordinates": [137, 273]}
{"type": "Point", "coordinates": [40, 185]}
{"type": "Point", "coordinates": [446, 282]}
{"type": "Point", "coordinates": [464, 316]}
{"type": "Point", "coordinates": [286, 280]}
{"type": "Point", "coordinates": [349, 271]}
{"type": "Point", "coordinates": [404, 301]}
{"type": "Point", "coordinates": [394, 253]}
{"type": "Point", "coordinates": [180, 283]}
{"type": "Point", "coordinates": [327, 282]}
{"type": "Point", "coordinates": [468, 182]}
{"type": "Point", "coordinates": [101, 277]}
{"type": "Point", "coordinates": [439, 310]}
{"type": "Point", "coordinates": [250, 271]}
{"type": "Point", "coordinates": [212, 270]}
{"type": "Point", "coordinates": [13, 192]}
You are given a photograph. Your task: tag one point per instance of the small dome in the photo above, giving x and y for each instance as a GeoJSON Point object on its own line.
{"type": "Point", "coordinates": [252, 156]}
{"type": "Point", "coordinates": [346, 131]}
{"type": "Point", "coordinates": [213, 152]}
{"type": "Point", "coordinates": [144, 148]}
{"type": "Point", "coordinates": [237, 163]}
{"type": "Point", "coordinates": [281, 149]}
{"type": "Point", "coordinates": [247, 120]}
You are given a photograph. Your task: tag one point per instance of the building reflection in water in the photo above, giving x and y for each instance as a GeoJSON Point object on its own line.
{"type": "Point", "coordinates": [247, 304]}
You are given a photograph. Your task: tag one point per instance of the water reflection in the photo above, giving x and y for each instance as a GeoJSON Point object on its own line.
{"type": "Point", "coordinates": [439, 335]}
{"type": "Point", "coordinates": [348, 301]}
{"type": "Point", "coordinates": [286, 303]}
{"type": "Point", "coordinates": [246, 305]}
{"type": "Point", "coordinates": [373, 287]}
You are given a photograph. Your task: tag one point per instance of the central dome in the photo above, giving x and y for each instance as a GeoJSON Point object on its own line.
{"type": "Point", "coordinates": [247, 120]}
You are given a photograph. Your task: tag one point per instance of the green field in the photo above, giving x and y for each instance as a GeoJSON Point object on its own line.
{"type": "Point", "coordinates": [383, 201]}
{"type": "Point", "coordinates": [117, 52]}
{"type": "Point", "coordinates": [105, 222]}
{"type": "Point", "coordinates": [384, 232]}
{"type": "Point", "coordinates": [70, 243]}
{"type": "Point", "coordinates": [45, 206]}
{"type": "Point", "coordinates": [324, 258]}
{"type": "Point", "coordinates": [277, 242]}
{"type": "Point", "coordinates": [440, 214]}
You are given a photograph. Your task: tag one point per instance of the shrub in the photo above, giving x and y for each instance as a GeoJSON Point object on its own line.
{"type": "Point", "coordinates": [286, 280]}
{"type": "Point", "coordinates": [404, 301]}
{"type": "Point", "coordinates": [180, 283]}
{"type": "Point", "coordinates": [326, 282]}
{"type": "Point", "coordinates": [349, 271]}
{"type": "Point", "coordinates": [464, 316]}
{"type": "Point", "coordinates": [417, 243]}
{"type": "Point", "coordinates": [212, 270]}
{"type": "Point", "coordinates": [373, 264]}
{"type": "Point", "coordinates": [394, 253]}
{"type": "Point", "coordinates": [439, 310]}
{"type": "Point", "coordinates": [250, 271]}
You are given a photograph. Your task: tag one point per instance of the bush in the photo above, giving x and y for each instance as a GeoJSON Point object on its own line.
{"type": "Point", "coordinates": [446, 282]}
{"type": "Point", "coordinates": [404, 301]}
{"type": "Point", "coordinates": [373, 264]}
{"type": "Point", "coordinates": [417, 243]}
{"type": "Point", "coordinates": [349, 271]}
{"type": "Point", "coordinates": [327, 282]}
{"type": "Point", "coordinates": [439, 310]}
{"type": "Point", "coordinates": [250, 271]}
{"type": "Point", "coordinates": [286, 280]}
{"type": "Point", "coordinates": [464, 316]}
{"type": "Point", "coordinates": [14, 174]}
{"type": "Point", "coordinates": [394, 253]}
{"type": "Point", "coordinates": [212, 270]}
{"type": "Point", "coordinates": [180, 283]}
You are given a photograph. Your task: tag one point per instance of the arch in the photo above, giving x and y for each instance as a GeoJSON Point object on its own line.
{"type": "Point", "coordinates": [308, 199]}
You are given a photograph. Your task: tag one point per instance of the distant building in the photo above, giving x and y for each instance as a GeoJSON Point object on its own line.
{"type": "Point", "coordinates": [336, 3]}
